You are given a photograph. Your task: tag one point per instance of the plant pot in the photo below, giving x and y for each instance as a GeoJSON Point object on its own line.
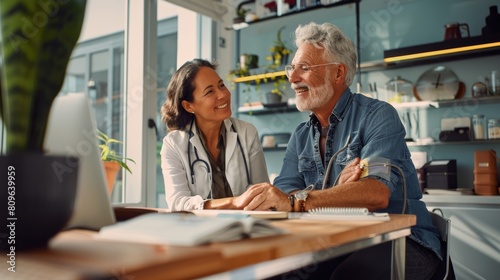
{"type": "Point", "coordinates": [111, 168]}
{"type": "Point", "coordinates": [37, 200]}
{"type": "Point", "coordinates": [249, 61]}
{"type": "Point", "coordinates": [238, 19]}
{"type": "Point", "coordinates": [272, 98]}
{"type": "Point", "coordinates": [284, 59]}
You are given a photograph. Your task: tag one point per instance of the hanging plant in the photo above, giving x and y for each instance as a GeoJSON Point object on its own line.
{"type": "Point", "coordinates": [279, 51]}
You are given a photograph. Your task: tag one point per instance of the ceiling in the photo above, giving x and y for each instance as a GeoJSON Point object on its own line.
{"type": "Point", "coordinates": [215, 9]}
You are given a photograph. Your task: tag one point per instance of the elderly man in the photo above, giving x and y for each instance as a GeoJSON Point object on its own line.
{"type": "Point", "coordinates": [343, 129]}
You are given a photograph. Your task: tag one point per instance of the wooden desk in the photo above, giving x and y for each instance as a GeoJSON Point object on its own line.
{"type": "Point", "coordinates": [76, 254]}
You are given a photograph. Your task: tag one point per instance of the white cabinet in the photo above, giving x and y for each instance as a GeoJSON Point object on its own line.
{"type": "Point", "coordinates": [475, 233]}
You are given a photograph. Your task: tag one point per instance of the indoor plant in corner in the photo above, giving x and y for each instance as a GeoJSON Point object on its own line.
{"type": "Point", "coordinates": [111, 160]}
{"type": "Point", "coordinates": [37, 41]}
{"type": "Point", "coordinates": [275, 96]}
{"type": "Point", "coordinates": [279, 51]}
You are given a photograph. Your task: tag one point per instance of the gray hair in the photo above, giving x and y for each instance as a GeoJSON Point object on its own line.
{"type": "Point", "coordinates": [338, 47]}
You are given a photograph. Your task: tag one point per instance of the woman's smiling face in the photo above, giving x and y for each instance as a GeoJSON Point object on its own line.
{"type": "Point", "coordinates": [211, 98]}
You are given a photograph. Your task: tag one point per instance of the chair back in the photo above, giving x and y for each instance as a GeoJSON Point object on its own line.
{"type": "Point", "coordinates": [443, 225]}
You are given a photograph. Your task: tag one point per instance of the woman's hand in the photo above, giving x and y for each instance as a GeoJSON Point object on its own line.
{"type": "Point", "coordinates": [263, 196]}
{"type": "Point", "coordinates": [351, 172]}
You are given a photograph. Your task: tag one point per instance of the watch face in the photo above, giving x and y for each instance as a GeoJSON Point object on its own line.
{"type": "Point", "coordinates": [438, 83]}
{"type": "Point", "coordinates": [301, 195]}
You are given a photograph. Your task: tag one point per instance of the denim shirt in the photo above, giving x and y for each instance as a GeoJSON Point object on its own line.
{"type": "Point", "coordinates": [370, 128]}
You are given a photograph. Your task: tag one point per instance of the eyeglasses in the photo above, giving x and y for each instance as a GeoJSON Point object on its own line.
{"type": "Point", "coordinates": [303, 68]}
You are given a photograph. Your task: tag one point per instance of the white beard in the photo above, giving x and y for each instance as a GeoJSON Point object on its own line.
{"type": "Point", "coordinates": [316, 97]}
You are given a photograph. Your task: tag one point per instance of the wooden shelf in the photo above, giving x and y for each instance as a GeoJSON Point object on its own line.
{"type": "Point", "coordinates": [447, 103]}
{"type": "Point", "coordinates": [455, 49]}
{"type": "Point", "coordinates": [297, 11]}
{"type": "Point", "coordinates": [267, 111]}
{"type": "Point", "coordinates": [439, 143]}
{"type": "Point", "coordinates": [264, 76]}
{"type": "Point", "coordinates": [468, 101]}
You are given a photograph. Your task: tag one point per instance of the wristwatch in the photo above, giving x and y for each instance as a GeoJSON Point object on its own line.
{"type": "Point", "coordinates": [301, 197]}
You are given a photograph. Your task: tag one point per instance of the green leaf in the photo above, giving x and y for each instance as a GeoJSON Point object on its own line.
{"type": "Point", "coordinates": [108, 154]}
{"type": "Point", "coordinates": [35, 58]}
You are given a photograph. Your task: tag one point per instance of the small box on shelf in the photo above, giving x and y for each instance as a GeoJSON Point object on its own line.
{"type": "Point", "coordinates": [485, 173]}
{"type": "Point", "coordinates": [441, 174]}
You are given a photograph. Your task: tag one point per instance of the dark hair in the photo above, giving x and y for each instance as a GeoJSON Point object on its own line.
{"type": "Point", "coordinates": [181, 87]}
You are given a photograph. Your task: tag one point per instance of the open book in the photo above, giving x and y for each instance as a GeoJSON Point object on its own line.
{"type": "Point", "coordinates": [344, 214]}
{"type": "Point", "coordinates": [240, 213]}
{"type": "Point", "coordinates": [185, 229]}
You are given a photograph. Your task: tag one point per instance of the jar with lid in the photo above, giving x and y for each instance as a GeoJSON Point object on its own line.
{"type": "Point", "coordinates": [479, 127]}
{"type": "Point", "coordinates": [399, 90]}
{"type": "Point", "coordinates": [494, 129]}
{"type": "Point", "coordinates": [495, 83]}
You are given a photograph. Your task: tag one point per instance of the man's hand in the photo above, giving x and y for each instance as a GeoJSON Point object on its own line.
{"type": "Point", "coordinates": [351, 172]}
{"type": "Point", "coordinates": [263, 196]}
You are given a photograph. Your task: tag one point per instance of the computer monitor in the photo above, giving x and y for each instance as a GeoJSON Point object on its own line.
{"type": "Point", "coordinates": [72, 131]}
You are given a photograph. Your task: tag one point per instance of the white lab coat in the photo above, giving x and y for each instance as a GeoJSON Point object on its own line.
{"type": "Point", "coordinates": [180, 192]}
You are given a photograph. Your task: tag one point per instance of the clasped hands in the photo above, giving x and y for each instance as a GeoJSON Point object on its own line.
{"type": "Point", "coordinates": [265, 196]}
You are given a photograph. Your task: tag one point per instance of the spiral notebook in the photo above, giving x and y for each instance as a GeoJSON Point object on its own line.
{"type": "Point", "coordinates": [344, 214]}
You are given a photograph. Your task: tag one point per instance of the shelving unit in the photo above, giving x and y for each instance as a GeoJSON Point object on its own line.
{"type": "Point", "coordinates": [449, 50]}
{"type": "Point", "coordinates": [434, 108]}
{"type": "Point", "coordinates": [474, 142]}
{"type": "Point", "coordinates": [447, 103]}
{"type": "Point", "coordinates": [430, 113]}
{"type": "Point", "coordinates": [252, 78]}
{"type": "Point", "coordinates": [479, 46]}
{"type": "Point", "coordinates": [266, 111]}
{"type": "Point", "coordinates": [424, 105]}
{"type": "Point", "coordinates": [256, 77]}
{"type": "Point", "coordinates": [301, 10]}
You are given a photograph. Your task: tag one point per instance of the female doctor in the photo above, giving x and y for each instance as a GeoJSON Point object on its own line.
{"type": "Point", "coordinates": [208, 158]}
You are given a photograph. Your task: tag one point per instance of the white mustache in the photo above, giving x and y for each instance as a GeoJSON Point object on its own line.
{"type": "Point", "coordinates": [300, 85]}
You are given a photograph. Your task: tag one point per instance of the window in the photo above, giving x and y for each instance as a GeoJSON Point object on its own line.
{"type": "Point", "coordinates": [75, 75]}
{"type": "Point", "coordinates": [167, 58]}
{"type": "Point", "coordinates": [99, 67]}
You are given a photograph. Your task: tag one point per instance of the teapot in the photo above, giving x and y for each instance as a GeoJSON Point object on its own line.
{"type": "Point", "coordinates": [454, 30]}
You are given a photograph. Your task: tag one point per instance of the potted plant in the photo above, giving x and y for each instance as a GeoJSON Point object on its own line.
{"type": "Point", "coordinates": [34, 61]}
{"type": "Point", "coordinates": [111, 160]}
{"type": "Point", "coordinates": [240, 15]}
{"type": "Point", "coordinates": [249, 61]}
{"type": "Point", "coordinates": [279, 51]}
{"type": "Point", "coordinates": [236, 73]}
{"type": "Point", "coordinates": [275, 96]}
{"type": "Point", "coordinates": [242, 12]}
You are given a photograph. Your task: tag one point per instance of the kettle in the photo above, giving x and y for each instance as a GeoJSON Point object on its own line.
{"type": "Point", "coordinates": [454, 30]}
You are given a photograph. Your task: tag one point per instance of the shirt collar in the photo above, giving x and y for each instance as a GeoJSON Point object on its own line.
{"type": "Point", "coordinates": [339, 110]}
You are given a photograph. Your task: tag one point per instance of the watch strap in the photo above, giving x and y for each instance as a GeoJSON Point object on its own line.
{"type": "Point", "coordinates": [302, 205]}
{"type": "Point", "coordinates": [292, 202]}
{"type": "Point", "coordinates": [301, 197]}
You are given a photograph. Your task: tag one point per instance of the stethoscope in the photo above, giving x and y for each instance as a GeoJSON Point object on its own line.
{"type": "Point", "coordinates": [332, 160]}
{"type": "Point", "coordinates": [207, 166]}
